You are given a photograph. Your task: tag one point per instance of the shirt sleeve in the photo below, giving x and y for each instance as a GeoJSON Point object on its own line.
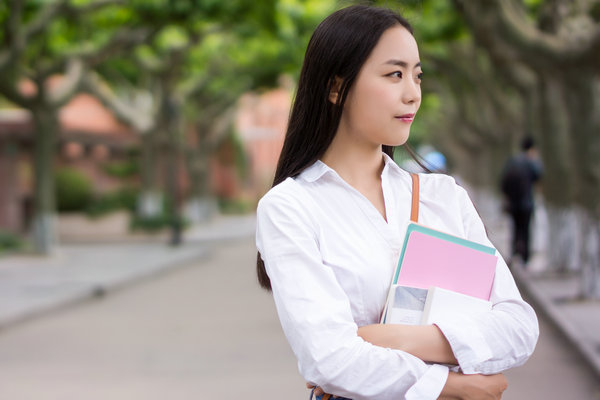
{"type": "Point", "coordinates": [316, 317]}
{"type": "Point", "coordinates": [502, 338]}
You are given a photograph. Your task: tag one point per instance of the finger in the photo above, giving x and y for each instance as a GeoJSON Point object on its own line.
{"type": "Point", "coordinates": [319, 391]}
{"type": "Point", "coordinates": [309, 385]}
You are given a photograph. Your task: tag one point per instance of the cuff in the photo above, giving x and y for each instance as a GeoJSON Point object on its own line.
{"type": "Point", "coordinates": [430, 385]}
{"type": "Point", "coordinates": [467, 342]}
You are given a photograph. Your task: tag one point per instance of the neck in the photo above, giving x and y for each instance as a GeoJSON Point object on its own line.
{"type": "Point", "coordinates": [356, 163]}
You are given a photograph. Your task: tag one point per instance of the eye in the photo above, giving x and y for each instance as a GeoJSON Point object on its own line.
{"type": "Point", "coordinates": [396, 74]}
{"type": "Point", "coordinates": [419, 76]}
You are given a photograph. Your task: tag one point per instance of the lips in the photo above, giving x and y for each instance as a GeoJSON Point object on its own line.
{"type": "Point", "coordinates": [406, 117]}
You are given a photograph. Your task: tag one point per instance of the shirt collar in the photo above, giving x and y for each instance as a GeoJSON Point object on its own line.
{"type": "Point", "coordinates": [315, 171]}
{"type": "Point", "coordinates": [318, 169]}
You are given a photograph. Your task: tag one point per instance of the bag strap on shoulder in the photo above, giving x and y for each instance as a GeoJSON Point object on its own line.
{"type": "Point", "coordinates": [414, 211]}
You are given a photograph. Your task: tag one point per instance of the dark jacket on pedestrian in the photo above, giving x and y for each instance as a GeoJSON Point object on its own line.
{"type": "Point", "coordinates": [518, 177]}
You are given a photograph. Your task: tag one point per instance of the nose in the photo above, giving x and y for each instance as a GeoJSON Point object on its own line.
{"type": "Point", "coordinates": [411, 92]}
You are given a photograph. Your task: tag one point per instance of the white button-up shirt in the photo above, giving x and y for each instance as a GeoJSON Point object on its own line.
{"type": "Point", "coordinates": [330, 256]}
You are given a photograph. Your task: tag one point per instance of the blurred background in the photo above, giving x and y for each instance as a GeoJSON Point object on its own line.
{"type": "Point", "coordinates": [137, 136]}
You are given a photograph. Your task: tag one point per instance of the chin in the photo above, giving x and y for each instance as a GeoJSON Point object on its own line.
{"type": "Point", "coordinates": [396, 141]}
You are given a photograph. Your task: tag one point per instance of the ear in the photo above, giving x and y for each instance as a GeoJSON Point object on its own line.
{"type": "Point", "coordinates": [335, 89]}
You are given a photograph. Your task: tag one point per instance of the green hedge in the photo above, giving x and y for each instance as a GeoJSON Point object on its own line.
{"type": "Point", "coordinates": [236, 206]}
{"type": "Point", "coordinates": [122, 169]}
{"type": "Point", "coordinates": [73, 190]}
{"type": "Point", "coordinates": [121, 199]}
{"type": "Point", "coordinates": [9, 241]}
{"type": "Point", "coordinates": [153, 224]}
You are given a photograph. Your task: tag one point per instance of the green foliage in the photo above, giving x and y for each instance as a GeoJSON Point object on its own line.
{"type": "Point", "coordinates": [296, 21]}
{"type": "Point", "coordinates": [436, 22]}
{"type": "Point", "coordinates": [74, 32]}
{"type": "Point", "coordinates": [236, 206]}
{"type": "Point", "coordinates": [122, 169]}
{"type": "Point", "coordinates": [121, 199]}
{"type": "Point", "coordinates": [73, 190]}
{"type": "Point", "coordinates": [170, 37]}
{"type": "Point", "coordinates": [154, 224]}
{"type": "Point", "coordinates": [428, 118]}
{"type": "Point", "coordinates": [241, 45]}
{"type": "Point", "coordinates": [9, 242]}
{"type": "Point", "coordinates": [533, 6]}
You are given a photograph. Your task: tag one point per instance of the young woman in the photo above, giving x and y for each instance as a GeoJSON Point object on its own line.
{"type": "Point", "coordinates": [330, 230]}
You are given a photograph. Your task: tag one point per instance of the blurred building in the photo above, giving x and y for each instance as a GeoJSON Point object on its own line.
{"type": "Point", "coordinates": [89, 137]}
{"type": "Point", "coordinates": [261, 123]}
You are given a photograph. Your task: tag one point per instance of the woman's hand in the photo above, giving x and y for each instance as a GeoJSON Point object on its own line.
{"type": "Point", "coordinates": [318, 391]}
{"type": "Point", "coordinates": [474, 387]}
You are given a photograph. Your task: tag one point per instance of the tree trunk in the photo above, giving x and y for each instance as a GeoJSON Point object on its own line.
{"type": "Point", "coordinates": [553, 142]}
{"type": "Point", "coordinates": [201, 206]}
{"type": "Point", "coordinates": [551, 130]}
{"type": "Point", "coordinates": [589, 255]}
{"type": "Point", "coordinates": [172, 115]}
{"type": "Point", "coordinates": [44, 209]}
{"type": "Point", "coordinates": [563, 239]}
{"type": "Point", "coordinates": [583, 100]}
{"type": "Point", "coordinates": [150, 200]}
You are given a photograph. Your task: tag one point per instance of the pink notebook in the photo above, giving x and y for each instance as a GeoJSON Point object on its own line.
{"type": "Point", "coordinates": [431, 261]}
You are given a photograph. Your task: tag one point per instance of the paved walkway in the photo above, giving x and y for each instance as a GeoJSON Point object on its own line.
{"type": "Point", "coordinates": [32, 285]}
{"type": "Point", "coordinates": [553, 295]}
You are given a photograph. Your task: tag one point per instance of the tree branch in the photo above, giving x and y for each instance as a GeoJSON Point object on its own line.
{"type": "Point", "coordinates": [19, 36]}
{"type": "Point", "coordinates": [69, 85]}
{"type": "Point", "coordinates": [43, 19]}
{"type": "Point", "coordinates": [508, 21]}
{"type": "Point", "coordinates": [9, 91]}
{"type": "Point", "coordinates": [140, 119]}
{"type": "Point", "coordinates": [122, 40]}
{"type": "Point", "coordinates": [175, 54]}
{"type": "Point", "coordinates": [197, 83]}
{"type": "Point", "coordinates": [13, 39]}
{"type": "Point", "coordinates": [62, 7]}
{"type": "Point", "coordinates": [13, 23]}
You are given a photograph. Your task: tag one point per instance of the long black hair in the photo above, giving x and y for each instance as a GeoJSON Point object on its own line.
{"type": "Point", "coordinates": [337, 50]}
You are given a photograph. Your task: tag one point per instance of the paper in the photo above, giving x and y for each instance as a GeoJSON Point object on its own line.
{"type": "Point", "coordinates": [432, 261]}
{"type": "Point", "coordinates": [442, 304]}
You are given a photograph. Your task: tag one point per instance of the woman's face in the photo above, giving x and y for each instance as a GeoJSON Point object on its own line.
{"type": "Point", "coordinates": [386, 95]}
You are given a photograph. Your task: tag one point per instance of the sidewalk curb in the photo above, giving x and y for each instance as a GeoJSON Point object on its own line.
{"type": "Point", "coordinates": [542, 302]}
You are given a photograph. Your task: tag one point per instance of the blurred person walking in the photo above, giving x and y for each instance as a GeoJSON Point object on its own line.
{"type": "Point", "coordinates": [519, 175]}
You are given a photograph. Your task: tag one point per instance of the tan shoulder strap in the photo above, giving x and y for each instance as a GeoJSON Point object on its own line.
{"type": "Point", "coordinates": [414, 211]}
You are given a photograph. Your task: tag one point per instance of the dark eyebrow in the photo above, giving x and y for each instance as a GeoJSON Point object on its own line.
{"type": "Point", "coordinates": [401, 63]}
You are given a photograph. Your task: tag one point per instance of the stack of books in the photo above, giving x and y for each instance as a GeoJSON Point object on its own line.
{"type": "Point", "coordinates": [439, 274]}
